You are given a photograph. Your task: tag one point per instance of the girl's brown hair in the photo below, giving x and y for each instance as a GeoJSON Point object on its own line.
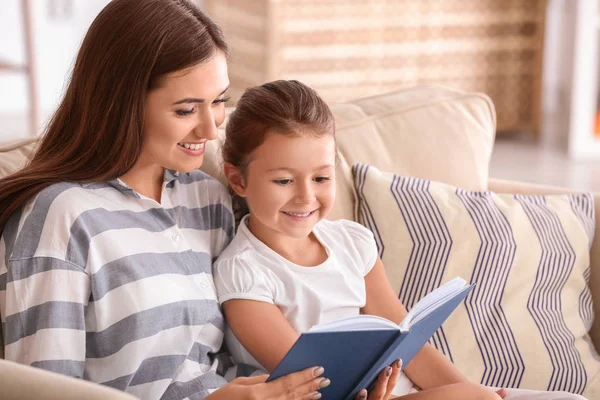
{"type": "Point", "coordinates": [96, 133]}
{"type": "Point", "coordinates": [282, 107]}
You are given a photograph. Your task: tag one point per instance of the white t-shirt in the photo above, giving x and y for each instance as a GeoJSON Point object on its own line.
{"type": "Point", "coordinates": [307, 296]}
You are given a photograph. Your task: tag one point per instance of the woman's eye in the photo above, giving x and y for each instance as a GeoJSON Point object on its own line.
{"type": "Point", "coordinates": [322, 179]}
{"type": "Point", "coordinates": [283, 182]}
{"type": "Point", "coordinates": [219, 101]}
{"type": "Point", "coordinates": [185, 112]}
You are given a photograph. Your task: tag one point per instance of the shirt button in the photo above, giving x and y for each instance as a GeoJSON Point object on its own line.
{"type": "Point", "coordinates": [203, 285]}
{"type": "Point", "coordinates": [175, 237]}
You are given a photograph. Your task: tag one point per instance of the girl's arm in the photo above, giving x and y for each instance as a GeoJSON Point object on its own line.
{"type": "Point", "coordinates": [262, 329]}
{"type": "Point", "coordinates": [429, 368]}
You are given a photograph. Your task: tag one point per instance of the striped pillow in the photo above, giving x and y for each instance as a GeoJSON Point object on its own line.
{"type": "Point", "coordinates": [526, 323]}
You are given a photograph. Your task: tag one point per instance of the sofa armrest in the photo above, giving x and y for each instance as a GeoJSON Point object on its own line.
{"type": "Point", "coordinates": [504, 186]}
{"type": "Point", "coordinates": [18, 382]}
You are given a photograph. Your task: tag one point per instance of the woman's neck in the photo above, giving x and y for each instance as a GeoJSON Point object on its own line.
{"type": "Point", "coordinates": [146, 179]}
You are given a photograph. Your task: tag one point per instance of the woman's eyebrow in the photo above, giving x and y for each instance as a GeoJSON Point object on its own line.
{"type": "Point", "coordinates": [197, 100]}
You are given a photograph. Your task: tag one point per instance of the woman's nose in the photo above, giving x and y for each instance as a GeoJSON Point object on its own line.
{"type": "Point", "coordinates": [207, 127]}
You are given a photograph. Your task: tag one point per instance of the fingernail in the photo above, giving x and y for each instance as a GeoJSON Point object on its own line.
{"type": "Point", "coordinates": [324, 383]}
{"type": "Point", "coordinates": [388, 371]}
{"type": "Point", "coordinates": [318, 371]}
{"type": "Point", "coordinates": [399, 363]}
{"type": "Point", "coordinates": [316, 395]}
{"type": "Point", "coordinates": [363, 394]}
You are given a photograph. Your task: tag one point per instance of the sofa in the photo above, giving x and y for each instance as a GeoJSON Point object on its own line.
{"type": "Point", "coordinates": [426, 132]}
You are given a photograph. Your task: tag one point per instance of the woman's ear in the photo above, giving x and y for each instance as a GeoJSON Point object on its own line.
{"type": "Point", "coordinates": [235, 178]}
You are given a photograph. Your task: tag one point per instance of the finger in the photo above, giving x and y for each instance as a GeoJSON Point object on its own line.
{"type": "Point", "coordinates": [288, 384]}
{"type": "Point", "coordinates": [501, 392]}
{"type": "Point", "coordinates": [378, 392]}
{"type": "Point", "coordinates": [362, 395]}
{"type": "Point", "coordinates": [251, 380]}
{"type": "Point", "coordinates": [396, 368]}
{"type": "Point", "coordinates": [310, 389]}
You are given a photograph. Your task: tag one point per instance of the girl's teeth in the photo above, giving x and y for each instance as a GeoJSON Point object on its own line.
{"type": "Point", "coordinates": [299, 215]}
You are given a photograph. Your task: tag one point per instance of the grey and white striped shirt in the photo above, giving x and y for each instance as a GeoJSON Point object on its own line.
{"type": "Point", "coordinates": [99, 282]}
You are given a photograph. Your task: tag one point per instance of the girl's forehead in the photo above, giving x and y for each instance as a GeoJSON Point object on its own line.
{"type": "Point", "coordinates": [297, 143]}
{"type": "Point", "coordinates": [294, 152]}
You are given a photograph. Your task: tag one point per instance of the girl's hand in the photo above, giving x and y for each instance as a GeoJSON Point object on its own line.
{"type": "Point", "coordinates": [387, 380]}
{"type": "Point", "coordinates": [501, 392]}
{"type": "Point", "coordinates": [299, 385]}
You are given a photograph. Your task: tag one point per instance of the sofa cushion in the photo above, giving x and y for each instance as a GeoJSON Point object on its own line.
{"type": "Point", "coordinates": [526, 323]}
{"type": "Point", "coordinates": [14, 155]}
{"type": "Point", "coordinates": [426, 132]}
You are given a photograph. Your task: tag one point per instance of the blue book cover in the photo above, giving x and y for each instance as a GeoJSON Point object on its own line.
{"type": "Point", "coordinates": [355, 350]}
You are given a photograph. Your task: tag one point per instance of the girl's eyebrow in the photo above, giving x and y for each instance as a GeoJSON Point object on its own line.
{"type": "Point", "coordinates": [197, 100]}
{"type": "Point", "coordinates": [324, 166]}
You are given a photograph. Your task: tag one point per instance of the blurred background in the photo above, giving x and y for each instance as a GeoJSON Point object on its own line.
{"type": "Point", "coordinates": [536, 59]}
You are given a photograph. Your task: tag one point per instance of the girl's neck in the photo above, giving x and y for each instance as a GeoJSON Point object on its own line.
{"type": "Point", "coordinates": [306, 251]}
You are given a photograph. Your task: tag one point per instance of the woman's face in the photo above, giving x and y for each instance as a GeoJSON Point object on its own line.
{"type": "Point", "coordinates": [183, 113]}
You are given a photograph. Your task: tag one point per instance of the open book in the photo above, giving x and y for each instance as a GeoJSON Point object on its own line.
{"type": "Point", "coordinates": [355, 350]}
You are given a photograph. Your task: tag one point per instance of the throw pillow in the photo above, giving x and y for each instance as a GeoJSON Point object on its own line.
{"type": "Point", "coordinates": [526, 323]}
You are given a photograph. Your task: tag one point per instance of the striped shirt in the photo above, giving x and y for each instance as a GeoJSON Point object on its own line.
{"type": "Point", "coordinates": [102, 283]}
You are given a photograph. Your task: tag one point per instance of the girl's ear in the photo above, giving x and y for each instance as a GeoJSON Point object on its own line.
{"type": "Point", "coordinates": [235, 178]}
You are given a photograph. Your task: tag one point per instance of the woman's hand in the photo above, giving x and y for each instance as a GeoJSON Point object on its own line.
{"type": "Point", "coordinates": [387, 380]}
{"type": "Point", "coordinates": [299, 385]}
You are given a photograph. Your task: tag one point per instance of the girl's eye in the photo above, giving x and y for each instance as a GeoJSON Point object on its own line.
{"type": "Point", "coordinates": [322, 179]}
{"type": "Point", "coordinates": [185, 112]}
{"type": "Point", "coordinates": [283, 182]}
{"type": "Point", "coordinates": [219, 101]}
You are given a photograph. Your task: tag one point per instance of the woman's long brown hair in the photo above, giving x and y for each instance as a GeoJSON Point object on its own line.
{"type": "Point", "coordinates": [96, 133]}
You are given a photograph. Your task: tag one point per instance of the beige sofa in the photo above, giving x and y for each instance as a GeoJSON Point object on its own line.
{"type": "Point", "coordinates": [427, 132]}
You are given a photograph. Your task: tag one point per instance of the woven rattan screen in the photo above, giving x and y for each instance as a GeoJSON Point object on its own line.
{"type": "Point", "coordinates": [354, 48]}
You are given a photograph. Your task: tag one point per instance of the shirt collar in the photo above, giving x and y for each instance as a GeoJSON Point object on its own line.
{"type": "Point", "coordinates": [169, 177]}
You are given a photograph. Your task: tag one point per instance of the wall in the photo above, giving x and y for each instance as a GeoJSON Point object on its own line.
{"type": "Point", "coordinates": [61, 24]}
{"type": "Point", "coordinates": [59, 28]}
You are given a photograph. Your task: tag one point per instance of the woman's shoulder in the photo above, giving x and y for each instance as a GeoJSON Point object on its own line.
{"type": "Point", "coordinates": [198, 181]}
{"type": "Point", "coordinates": [45, 220]}
{"type": "Point", "coordinates": [62, 197]}
{"type": "Point", "coordinates": [194, 176]}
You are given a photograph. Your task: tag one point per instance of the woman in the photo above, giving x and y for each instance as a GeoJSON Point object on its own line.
{"type": "Point", "coordinates": [109, 233]}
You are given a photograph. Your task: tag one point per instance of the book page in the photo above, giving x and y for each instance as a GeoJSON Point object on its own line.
{"type": "Point", "coordinates": [358, 323]}
{"type": "Point", "coordinates": [432, 301]}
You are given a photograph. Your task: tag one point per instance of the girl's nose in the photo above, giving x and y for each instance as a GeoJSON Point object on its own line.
{"type": "Point", "coordinates": [305, 194]}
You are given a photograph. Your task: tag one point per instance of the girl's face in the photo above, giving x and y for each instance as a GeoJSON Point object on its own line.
{"type": "Point", "coordinates": [183, 113]}
{"type": "Point", "coordinates": [290, 185]}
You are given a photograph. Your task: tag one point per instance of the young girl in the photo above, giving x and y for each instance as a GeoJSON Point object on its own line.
{"type": "Point", "coordinates": [288, 268]}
